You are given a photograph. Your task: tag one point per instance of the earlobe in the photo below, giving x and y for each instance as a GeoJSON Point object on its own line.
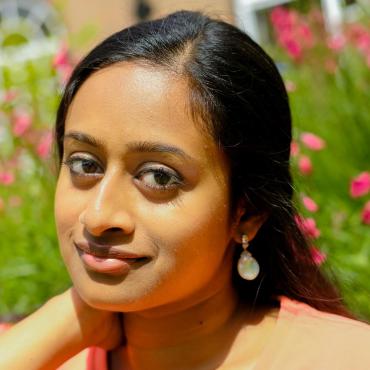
{"type": "Point", "coordinates": [248, 226]}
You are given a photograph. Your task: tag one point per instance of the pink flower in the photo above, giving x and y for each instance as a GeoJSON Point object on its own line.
{"type": "Point", "coordinates": [336, 43]}
{"type": "Point", "coordinates": [308, 227]}
{"type": "Point", "coordinates": [360, 185]}
{"type": "Point", "coordinates": [294, 148]}
{"type": "Point", "coordinates": [6, 178]}
{"type": "Point", "coordinates": [305, 165]}
{"type": "Point", "coordinates": [280, 17]}
{"type": "Point", "coordinates": [363, 42]}
{"type": "Point", "coordinates": [44, 146]}
{"type": "Point", "coordinates": [304, 32]}
{"type": "Point", "coordinates": [61, 57]}
{"type": "Point", "coordinates": [310, 204]}
{"type": "Point", "coordinates": [290, 86]}
{"type": "Point", "coordinates": [293, 48]}
{"type": "Point", "coordinates": [9, 96]}
{"type": "Point", "coordinates": [292, 32]}
{"type": "Point", "coordinates": [318, 256]}
{"type": "Point", "coordinates": [22, 121]}
{"type": "Point", "coordinates": [312, 141]}
{"type": "Point", "coordinates": [365, 216]}
{"type": "Point", "coordinates": [360, 36]}
{"type": "Point", "coordinates": [62, 64]}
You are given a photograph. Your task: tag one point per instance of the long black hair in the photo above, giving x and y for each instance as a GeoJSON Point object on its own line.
{"type": "Point", "coordinates": [236, 91]}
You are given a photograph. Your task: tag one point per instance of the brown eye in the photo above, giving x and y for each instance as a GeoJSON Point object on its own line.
{"type": "Point", "coordinates": [88, 166]}
{"type": "Point", "coordinates": [83, 166]}
{"type": "Point", "coordinates": [162, 179]}
{"type": "Point", "coordinates": [159, 178]}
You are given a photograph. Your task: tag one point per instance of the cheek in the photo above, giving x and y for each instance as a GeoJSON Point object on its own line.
{"type": "Point", "coordinates": [194, 234]}
{"type": "Point", "coordinates": [67, 208]}
{"type": "Point", "coordinates": [193, 216]}
{"type": "Point", "coordinates": [192, 257]}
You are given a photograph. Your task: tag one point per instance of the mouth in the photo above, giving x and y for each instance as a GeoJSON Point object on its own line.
{"type": "Point", "coordinates": [109, 259]}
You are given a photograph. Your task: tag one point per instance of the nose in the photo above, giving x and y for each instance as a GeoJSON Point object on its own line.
{"type": "Point", "coordinates": [107, 209]}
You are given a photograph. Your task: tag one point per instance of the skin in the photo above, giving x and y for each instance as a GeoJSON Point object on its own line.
{"type": "Point", "coordinates": [169, 303]}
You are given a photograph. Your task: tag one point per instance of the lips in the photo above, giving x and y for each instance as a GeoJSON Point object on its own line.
{"type": "Point", "coordinates": [107, 251]}
{"type": "Point", "coordinates": [108, 259]}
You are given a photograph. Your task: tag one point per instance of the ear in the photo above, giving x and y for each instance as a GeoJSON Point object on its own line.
{"type": "Point", "coordinates": [247, 224]}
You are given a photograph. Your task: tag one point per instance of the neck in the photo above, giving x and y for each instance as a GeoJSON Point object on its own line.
{"type": "Point", "coordinates": [185, 337]}
{"type": "Point", "coordinates": [151, 329]}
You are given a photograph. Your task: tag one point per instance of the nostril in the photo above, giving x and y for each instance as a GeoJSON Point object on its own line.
{"type": "Point", "coordinates": [115, 229]}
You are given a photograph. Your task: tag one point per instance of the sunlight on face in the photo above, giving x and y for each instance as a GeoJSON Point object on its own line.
{"type": "Point", "coordinates": [140, 176]}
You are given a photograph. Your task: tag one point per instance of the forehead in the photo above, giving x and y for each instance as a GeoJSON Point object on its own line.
{"type": "Point", "coordinates": [130, 102]}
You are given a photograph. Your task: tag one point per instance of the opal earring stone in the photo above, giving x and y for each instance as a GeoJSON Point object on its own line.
{"type": "Point", "coordinates": [248, 266]}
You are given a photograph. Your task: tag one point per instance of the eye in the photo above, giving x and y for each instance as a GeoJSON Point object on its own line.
{"type": "Point", "coordinates": [83, 166]}
{"type": "Point", "coordinates": [160, 178]}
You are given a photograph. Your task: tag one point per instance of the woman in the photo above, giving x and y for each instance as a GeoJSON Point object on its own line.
{"type": "Point", "coordinates": [175, 219]}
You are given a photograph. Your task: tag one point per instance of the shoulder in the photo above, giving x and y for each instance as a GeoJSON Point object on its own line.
{"type": "Point", "coordinates": [304, 315]}
{"type": "Point", "coordinates": [306, 336]}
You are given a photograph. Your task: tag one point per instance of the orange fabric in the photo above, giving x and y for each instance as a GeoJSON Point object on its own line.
{"type": "Point", "coordinates": [4, 326]}
{"type": "Point", "coordinates": [303, 339]}
{"type": "Point", "coordinates": [97, 359]}
{"type": "Point", "coordinates": [306, 339]}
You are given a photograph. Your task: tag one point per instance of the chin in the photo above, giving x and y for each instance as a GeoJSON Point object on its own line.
{"type": "Point", "coordinates": [114, 297]}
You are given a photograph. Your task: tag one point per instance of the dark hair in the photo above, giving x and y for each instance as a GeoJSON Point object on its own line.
{"type": "Point", "coordinates": [237, 91]}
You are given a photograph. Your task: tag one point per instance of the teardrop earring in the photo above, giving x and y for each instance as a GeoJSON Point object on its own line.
{"type": "Point", "coordinates": [248, 266]}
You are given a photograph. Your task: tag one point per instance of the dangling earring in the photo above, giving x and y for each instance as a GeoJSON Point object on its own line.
{"type": "Point", "coordinates": [248, 267]}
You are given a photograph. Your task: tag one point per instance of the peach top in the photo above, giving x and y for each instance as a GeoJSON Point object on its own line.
{"type": "Point", "coordinates": [303, 339]}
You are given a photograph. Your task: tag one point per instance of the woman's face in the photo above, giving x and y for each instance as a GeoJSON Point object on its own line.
{"type": "Point", "coordinates": [149, 182]}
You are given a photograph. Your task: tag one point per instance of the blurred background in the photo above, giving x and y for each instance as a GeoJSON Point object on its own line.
{"type": "Point", "coordinates": [322, 49]}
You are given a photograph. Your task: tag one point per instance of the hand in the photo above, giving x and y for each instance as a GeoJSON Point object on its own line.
{"type": "Point", "coordinates": [61, 328]}
{"type": "Point", "coordinates": [96, 327]}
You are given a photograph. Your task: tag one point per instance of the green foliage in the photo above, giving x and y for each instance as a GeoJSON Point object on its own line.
{"type": "Point", "coordinates": [334, 107]}
{"type": "Point", "coordinates": [329, 96]}
{"type": "Point", "coordinates": [31, 269]}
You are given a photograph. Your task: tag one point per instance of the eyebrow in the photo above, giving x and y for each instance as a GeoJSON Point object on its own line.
{"type": "Point", "coordinates": [136, 146]}
{"type": "Point", "coordinates": [84, 138]}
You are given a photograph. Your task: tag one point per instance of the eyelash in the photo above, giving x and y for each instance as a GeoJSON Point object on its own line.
{"type": "Point", "coordinates": [71, 161]}
{"type": "Point", "coordinates": [159, 170]}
